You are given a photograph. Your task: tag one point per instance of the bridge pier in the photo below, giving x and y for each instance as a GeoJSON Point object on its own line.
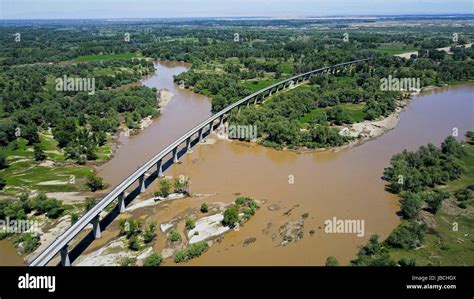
{"type": "Point", "coordinates": [65, 261]}
{"type": "Point", "coordinates": [221, 120]}
{"type": "Point", "coordinates": [238, 108]}
{"type": "Point", "coordinates": [211, 127]}
{"type": "Point", "coordinates": [121, 202]}
{"type": "Point", "coordinates": [159, 168]}
{"type": "Point", "coordinates": [201, 137]}
{"type": "Point", "coordinates": [255, 100]}
{"type": "Point", "coordinates": [141, 181]}
{"type": "Point", "coordinates": [188, 144]}
{"type": "Point", "coordinates": [270, 93]}
{"type": "Point", "coordinates": [96, 227]}
{"type": "Point", "coordinates": [175, 155]}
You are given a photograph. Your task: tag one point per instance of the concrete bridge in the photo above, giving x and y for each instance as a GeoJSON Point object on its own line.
{"type": "Point", "coordinates": [156, 164]}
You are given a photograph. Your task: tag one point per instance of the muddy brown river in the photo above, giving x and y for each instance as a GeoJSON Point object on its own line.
{"type": "Point", "coordinates": [345, 184]}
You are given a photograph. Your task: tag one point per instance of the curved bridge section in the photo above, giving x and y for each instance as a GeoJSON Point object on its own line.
{"type": "Point", "coordinates": [195, 135]}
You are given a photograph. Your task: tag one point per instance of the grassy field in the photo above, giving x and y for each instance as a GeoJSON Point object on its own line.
{"type": "Point", "coordinates": [355, 111]}
{"type": "Point", "coordinates": [444, 245]}
{"type": "Point", "coordinates": [286, 67]}
{"type": "Point", "coordinates": [88, 58]}
{"type": "Point", "coordinates": [24, 173]}
{"type": "Point", "coordinates": [395, 48]}
{"type": "Point", "coordinates": [253, 87]}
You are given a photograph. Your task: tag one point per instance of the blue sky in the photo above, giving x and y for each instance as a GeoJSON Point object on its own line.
{"type": "Point", "coordinates": [92, 9]}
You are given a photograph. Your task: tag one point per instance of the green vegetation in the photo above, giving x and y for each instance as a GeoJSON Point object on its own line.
{"type": "Point", "coordinates": [165, 188]}
{"type": "Point", "coordinates": [395, 48]}
{"type": "Point", "coordinates": [433, 180]}
{"type": "Point", "coordinates": [88, 58]}
{"type": "Point", "coordinates": [95, 183]}
{"type": "Point", "coordinates": [331, 262]}
{"type": "Point", "coordinates": [245, 205]}
{"type": "Point", "coordinates": [191, 252]}
{"type": "Point", "coordinates": [150, 233]}
{"type": "Point", "coordinates": [153, 260]}
{"type": "Point", "coordinates": [190, 223]}
{"type": "Point", "coordinates": [174, 236]}
{"type": "Point", "coordinates": [204, 208]}
{"type": "Point", "coordinates": [127, 261]}
{"type": "Point", "coordinates": [90, 203]}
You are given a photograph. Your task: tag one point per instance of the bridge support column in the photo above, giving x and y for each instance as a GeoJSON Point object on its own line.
{"type": "Point", "coordinates": [141, 181]}
{"type": "Point", "coordinates": [96, 227]}
{"type": "Point", "coordinates": [159, 168]}
{"type": "Point", "coordinates": [221, 120]}
{"type": "Point", "coordinates": [255, 100]}
{"type": "Point", "coordinates": [278, 89]}
{"type": "Point", "coordinates": [121, 202]}
{"type": "Point", "coordinates": [188, 144]}
{"type": "Point", "coordinates": [270, 93]}
{"type": "Point", "coordinates": [175, 155]}
{"type": "Point", "coordinates": [238, 108]}
{"type": "Point", "coordinates": [65, 262]}
{"type": "Point", "coordinates": [211, 127]}
{"type": "Point", "coordinates": [201, 137]}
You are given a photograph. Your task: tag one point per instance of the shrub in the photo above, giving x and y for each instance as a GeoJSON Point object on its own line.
{"type": "Point", "coordinates": [153, 260]}
{"type": "Point", "coordinates": [89, 203]}
{"type": "Point", "coordinates": [190, 223]}
{"type": "Point", "coordinates": [463, 194]}
{"type": "Point", "coordinates": [28, 241]}
{"type": "Point", "coordinates": [193, 251]}
{"type": "Point", "coordinates": [411, 205]}
{"type": "Point", "coordinates": [128, 261]}
{"type": "Point", "coordinates": [231, 216]}
{"type": "Point", "coordinates": [95, 183]}
{"type": "Point", "coordinates": [133, 243]}
{"type": "Point", "coordinates": [204, 208]}
{"type": "Point", "coordinates": [3, 183]}
{"type": "Point", "coordinates": [74, 218]}
{"type": "Point", "coordinates": [407, 235]}
{"type": "Point", "coordinates": [404, 262]}
{"type": "Point", "coordinates": [331, 261]}
{"type": "Point", "coordinates": [174, 236]}
{"type": "Point", "coordinates": [150, 233]}
{"type": "Point", "coordinates": [38, 152]}
{"type": "Point", "coordinates": [165, 188]}
{"type": "Point", "coordinates": [181, 185]}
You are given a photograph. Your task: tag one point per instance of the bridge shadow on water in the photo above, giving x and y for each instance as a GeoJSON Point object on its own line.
{"type": "Point", "coordinates": [87, 240]}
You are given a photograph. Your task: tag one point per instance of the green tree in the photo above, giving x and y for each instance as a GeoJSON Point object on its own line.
{"type": "Point", "coordinates": [204, 208]}
{"type": "Point", "coordinates": [181, 185]}
{"type": "Point", "coordinates": [411, 205]}
{"type": "Point", "coordinates": [3, 182]}
{"type": "Point", "coordinates": [174, 236]}
{"type": "Point", "coordinates": [231, 216]}
{"type": "Point", "coordinates": [95, 183]}
{"type": "Point", "coordinates": [190, 223]}
{"type": "Point", "coordinates": [150, 233]}
{"type": "Point", "coordinates": [165, 188]}
{"type": "Point", "coordinates": [3, 161]}
{"type": "Point", "coordinates": [331, 261]}
{"type": "Point", "coordinates": [153, 260]}
{"type": "Point", "coordinates": [89, 203]}
{"type": "Point", "coordinates": [39, 153]}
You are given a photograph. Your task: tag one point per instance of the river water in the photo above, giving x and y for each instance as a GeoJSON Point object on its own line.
{"type": "Point", "coordinates": [345, 184]}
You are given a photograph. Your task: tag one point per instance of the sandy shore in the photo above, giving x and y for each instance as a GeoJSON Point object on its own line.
{"type": "Point", "coordinates": [164, 97]}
